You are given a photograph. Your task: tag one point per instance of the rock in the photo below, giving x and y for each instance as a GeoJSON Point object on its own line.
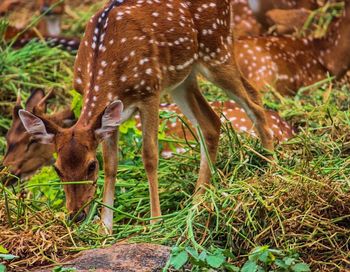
{"type": "Point", "coordinates": [120, 257]}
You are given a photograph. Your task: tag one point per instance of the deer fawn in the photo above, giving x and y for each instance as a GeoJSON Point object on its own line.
{"type": "Point", "coordinates": [25, 155]}
{"type": "Point", "coordinates": [289, 63]}
{"type": "Point", "coordinates": [132, 53]}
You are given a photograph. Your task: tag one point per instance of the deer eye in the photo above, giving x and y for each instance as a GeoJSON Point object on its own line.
{"type": "Point", "coordinates": [92, 167]}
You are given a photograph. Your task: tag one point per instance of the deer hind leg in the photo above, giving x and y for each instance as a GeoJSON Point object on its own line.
{"type": "Point", "coordinates": [228, 77]}
{"type": "Point", "coordinates": [149, 113]}
{"type": "Point", "coordinates": [191, 102]}
{"type": "Point", "coordinates": [110, 162]}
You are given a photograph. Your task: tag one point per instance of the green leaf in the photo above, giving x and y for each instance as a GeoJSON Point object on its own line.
{"type": "Point", "coordinates": [77, 102]}
{"type": "Point", "coordinates": [63, 269]}
{"type": "Point", "coordinates": [264, 257]}
{"type": "Point", "coordinates": [231, 267]}
{"type": "Point", "coordinates": [260, 269]}
{"type": "Point", "coordinates": [250, 266]}
{"type": "Point", "coordinates": [192, 252]}
{"type": "Point", "coordinates": [202, 256]}
{"type": "Point", "coordinates": [281, 264]}
{"type": "Point", "coordinates": [301, 267]}
{"type": "Point", "coordinates": [215, 261]}
{"type": "Point", "coordinates": [2, 268]}
{"type": "Point", "coordinates": [179, 260]}
{"type": "Point", "coordinates": [8, 257]}
{"type": "Point", "coordinates": [3, 250]}
{"type": "Point", "coordinates": [288, 261]}
{"type": "Point", "coordinates": [228, 254]}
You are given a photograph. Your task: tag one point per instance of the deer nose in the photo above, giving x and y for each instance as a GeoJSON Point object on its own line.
{"type": "Point", "coordinates": [77, 217]}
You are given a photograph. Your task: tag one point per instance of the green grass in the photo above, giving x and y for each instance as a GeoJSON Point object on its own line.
{"type": "Point", "coordinates": [300, 204]}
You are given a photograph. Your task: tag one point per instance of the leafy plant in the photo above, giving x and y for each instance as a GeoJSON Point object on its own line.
{"type": "Point", "coordinates": [4, 255]}
{"type": "Point", "coordinates": [264, 258]}
{"type": "Point", "coordinates": [180, 256]}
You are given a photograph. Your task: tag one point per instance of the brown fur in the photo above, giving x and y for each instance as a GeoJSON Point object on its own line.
{"type": "Point", "coordinates": [119, 78]}
{"type": "Point", "coordinates": [288, 63]}
{"type": "Point", "coordinates": [24, 154]}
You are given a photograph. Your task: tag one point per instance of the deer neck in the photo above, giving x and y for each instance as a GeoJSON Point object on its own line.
{"type": "Point", "coordinates": [99, 66]}
{"type": "Point", "coordinates": [333, 50]}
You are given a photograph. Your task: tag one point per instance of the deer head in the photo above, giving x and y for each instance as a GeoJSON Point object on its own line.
{"type": "Point", "coordinates": [76, 148]}
{"type": "Point", "coordinates": [25, 154]}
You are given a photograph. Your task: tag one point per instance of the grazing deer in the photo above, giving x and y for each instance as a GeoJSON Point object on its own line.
{"type": "Point", "coordinates": [288, 63]}
{"type": "Point", "coordinates": [25, 155]}
{"type": "Point", "coordinates": [134, 51]}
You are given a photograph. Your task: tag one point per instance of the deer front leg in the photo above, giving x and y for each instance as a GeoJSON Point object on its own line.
{"type": "Point", "coordinates": [149, 113]}
{"type": "Point", "coordinates": [110, 164]}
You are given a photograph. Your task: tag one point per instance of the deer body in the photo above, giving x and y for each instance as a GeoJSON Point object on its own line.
{"type": "Point", "coordinates": [132, 53]}
{"type": "Point", "coordinates": [288, 63]}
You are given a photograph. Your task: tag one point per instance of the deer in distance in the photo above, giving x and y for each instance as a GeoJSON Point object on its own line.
{"type": "Point", "coordinates": [289, 63]}
{"type": "Point", "coordinates": [131, 54]}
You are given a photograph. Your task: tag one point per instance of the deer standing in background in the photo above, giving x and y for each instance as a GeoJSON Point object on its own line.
{"type": "Point", "coordinates": [288, 63]}
{"type": "Point", "coordinates": [231, 112]}
{"type": "Point", "coordinates": [132, 53]}
{"type": "Point", "coordinates": [25, 155]}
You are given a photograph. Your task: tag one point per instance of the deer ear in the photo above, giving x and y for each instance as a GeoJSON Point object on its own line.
{"type": "Point", "coordinates": [34, 99]}
{"type": "Point", "coordinates": [111, 118]}
{"type": "Point", "coordinates": [35, 127]}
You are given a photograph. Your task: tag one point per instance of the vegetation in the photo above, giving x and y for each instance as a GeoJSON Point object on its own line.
{"type": "Point", "coordinates": [291, 214]}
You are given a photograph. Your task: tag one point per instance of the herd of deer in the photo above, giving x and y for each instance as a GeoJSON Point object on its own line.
{"type": "Point", "coordinates": [135, 51]}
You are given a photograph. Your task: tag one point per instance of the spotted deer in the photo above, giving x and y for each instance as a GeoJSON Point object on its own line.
{"type": "Point", "coordinates": [255, 17]}
{"type": "Point", "coordinates": [133, 52]}
{"type": "Point", "coordinates": [261, 7]}
{"type": "Point", "coordinates": [243, 21]}
{"type": "Point", "coordinates": [25, 155]}
{"type": "Point", "coordinates": [289, 63]}
{"type": "Point", "coordinates": [231, 113]}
